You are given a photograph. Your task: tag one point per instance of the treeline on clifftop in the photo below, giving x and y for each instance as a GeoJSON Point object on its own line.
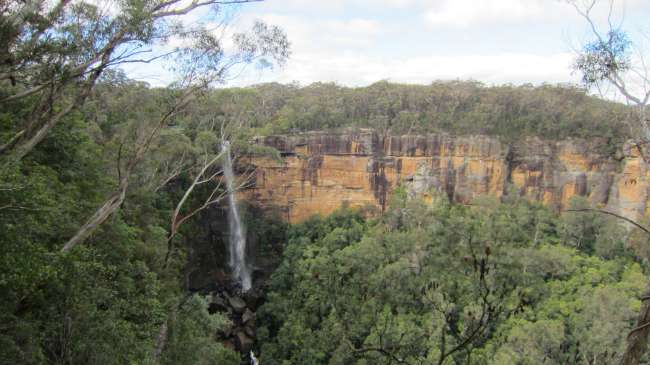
{"type": "Point", "coordinates": [454, 107]}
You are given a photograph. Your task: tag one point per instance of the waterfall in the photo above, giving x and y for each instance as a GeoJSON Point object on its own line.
{"type": "Point", "coordinates": [254, 359]}
{"type": "Point", "coordinates": [237, 241]}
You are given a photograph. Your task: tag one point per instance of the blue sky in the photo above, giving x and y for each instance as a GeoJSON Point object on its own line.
{"type": "Point", "coordinates": [358, 42]}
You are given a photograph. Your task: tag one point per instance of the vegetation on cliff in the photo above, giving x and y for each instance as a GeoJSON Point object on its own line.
{"type": "Point", "coordinates": [454, 107]}
{"type": "Point", "coordinates": [92, 165]}
{"type": "Point", "coordinates": [108, 300]}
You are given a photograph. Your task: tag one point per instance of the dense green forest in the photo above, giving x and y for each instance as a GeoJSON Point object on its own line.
{"type": "Point", "coordinates": [493, 283]}
{"type": "Point", "coordinates": [106, 300]}
{"type": "Point", "coordinates": [455, 107]}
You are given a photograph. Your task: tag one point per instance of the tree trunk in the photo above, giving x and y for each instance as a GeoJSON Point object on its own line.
{"type": "Point", "coordinates": [160, 342]}
{"type": "Point", "coordinates": [637, 340]}
{"type": "Point", "coordinates": [100, 216]}
{"type": "Point", "coordinates": [23, 143]}
{"type": "Point", "coordinates": [22, 148]}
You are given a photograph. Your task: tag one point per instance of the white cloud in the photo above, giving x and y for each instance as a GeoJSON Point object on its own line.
{"type": "Point", "coordinates": [358, 70]}
{"type": "Point", "coordinates": [356, 26]}
{"type": "Point", "coordinates": [345, 51]}
{"type": "Point", "coordinates": [463, 13]}
{"type": "Point", "coordinates": [336, 35]}
{"type": "Point", "coordinates": [416, 41]}
{"type": "Point", "coordinates": [338, 6]}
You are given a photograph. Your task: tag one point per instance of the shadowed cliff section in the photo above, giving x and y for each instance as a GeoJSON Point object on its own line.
{"type": "Point", "coordinates": [321, 171]}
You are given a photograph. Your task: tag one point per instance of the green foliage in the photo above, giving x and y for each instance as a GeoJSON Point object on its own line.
{"type": "Point", "coordinates": [106, 301]}
{"type": "Point", "coordinates": [191, 338]}
{"type": "Point", "coordinates": [592, 232]}
{"type": "Point", "coordinates": [493, 283]}
{"type": "Point", "coordinates": [265, 231]}
{"type": "Point", "coordinates": [488, 284]}
{"type": "Point", "coordinates": [604, 58]}
{"type": "Point", "coordinates": [455, 107]}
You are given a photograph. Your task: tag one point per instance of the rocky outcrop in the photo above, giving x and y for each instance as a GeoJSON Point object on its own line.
{"type": "Point", "coordinates": [240, 310]}
{"type": "Point", "coordinates": [319, 172]}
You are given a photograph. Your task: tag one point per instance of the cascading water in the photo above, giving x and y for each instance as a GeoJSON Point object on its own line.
{"type": "Point", "coordinates": [254, 359]}
{"type": "Point", "coordinates": [240, 268]}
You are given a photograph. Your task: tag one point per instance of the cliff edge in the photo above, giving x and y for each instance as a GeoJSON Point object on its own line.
{"type": "Point", "coordinates": [321, 171]}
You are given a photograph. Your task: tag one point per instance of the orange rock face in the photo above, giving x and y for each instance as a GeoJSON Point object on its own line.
{"type": "Point", "coordinates": [320, 172]}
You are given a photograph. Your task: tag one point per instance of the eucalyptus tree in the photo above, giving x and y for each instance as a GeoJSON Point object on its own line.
{"type": "Point", "coordinates": [201, 62]}
{"type": "Point", "coordinates": [613, 59]}
{"type": "Point", "coordinates": [55, 52]}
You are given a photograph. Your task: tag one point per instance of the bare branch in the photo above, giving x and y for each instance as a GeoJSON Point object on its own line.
{"type": "Point", "coordinates": [198, 4]}
{"type": "Point", "coordinates": [116, 199]}
{"type": "Point", "coordinates": [644, 229]}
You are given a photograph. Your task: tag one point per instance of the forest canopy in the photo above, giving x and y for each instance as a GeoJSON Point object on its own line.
{"type": "Point", "coordinates": [492, 283]}
{"type": "Point", "coordinates": [454, 107]}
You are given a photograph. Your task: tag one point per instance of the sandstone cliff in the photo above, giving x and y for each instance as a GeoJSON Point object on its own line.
{"type": "Point", "coordinates": [319, 172]}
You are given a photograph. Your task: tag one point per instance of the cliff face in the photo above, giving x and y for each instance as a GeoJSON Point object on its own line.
{"type": "Point", "coordinates": [320, 172]}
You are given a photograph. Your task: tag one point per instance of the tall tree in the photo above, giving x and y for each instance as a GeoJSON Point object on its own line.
{"type": "Point", "coordinates": [607, 60]}
{"type": "Point", "coordinates": [202, 63]}
{"type": "Point", "coordinates": [54, 53]}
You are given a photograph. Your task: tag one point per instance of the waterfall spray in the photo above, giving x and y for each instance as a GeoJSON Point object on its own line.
{"type": "Point", "coordinates": [237, 241]}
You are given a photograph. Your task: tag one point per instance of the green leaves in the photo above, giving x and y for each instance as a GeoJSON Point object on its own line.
{"type": "Point", "coordinates": [456, 107]}
{"type": "Point", "coordinates": [192, 340]}
{"type": "Point", "coordinates": [485, 284]}
{"type": "Point", "coordinates": [605, 58]}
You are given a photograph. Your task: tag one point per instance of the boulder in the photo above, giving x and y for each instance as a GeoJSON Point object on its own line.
{"type": "Point", "coordinates": [218, 304]}
{"type": "Point", "coordinates": [248, 316]}
{"type": "Point", "coordinates": [253, 298]}
{"type": "Point", "coordinates": [244, 343]}
{"type": "Point", "coordinates": [237, 304]}
{"type": "Point", "coordinates": [250, 331]}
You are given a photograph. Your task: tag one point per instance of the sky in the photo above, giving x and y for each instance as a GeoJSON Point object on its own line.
{"type": "Point", "coordinates": [359, 42]}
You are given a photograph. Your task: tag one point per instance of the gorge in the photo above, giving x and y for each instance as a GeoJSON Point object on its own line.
{"type": "Point", "coordinates": [356, 182]}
